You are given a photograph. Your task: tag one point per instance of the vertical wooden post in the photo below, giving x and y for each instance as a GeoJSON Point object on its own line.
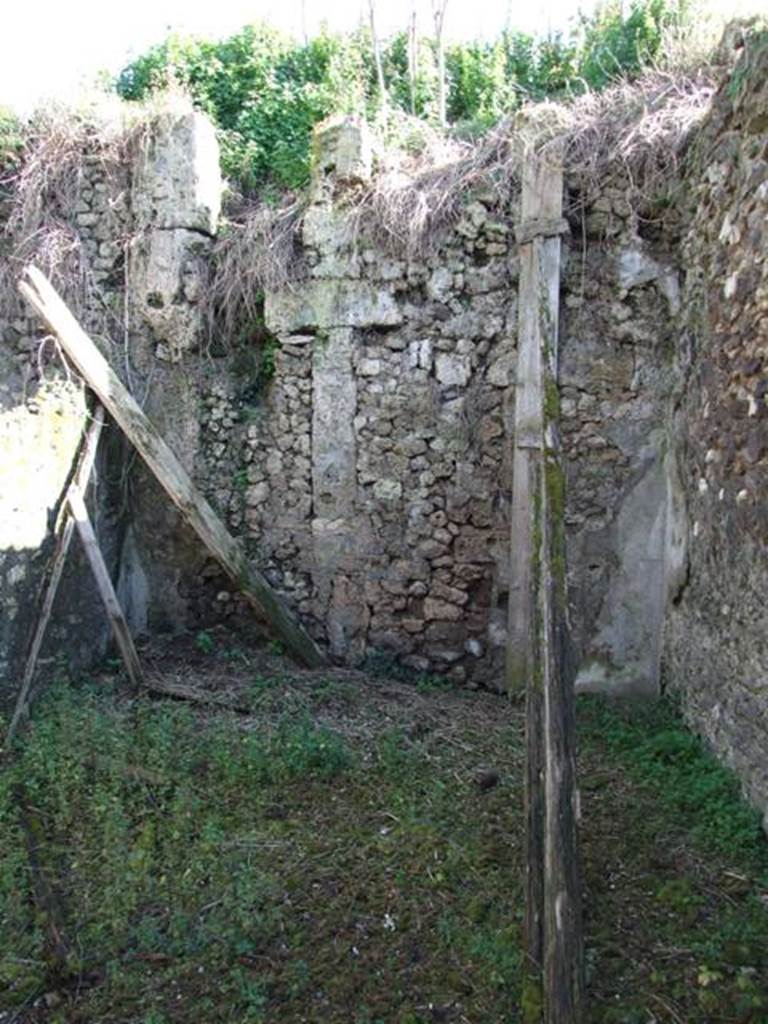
{"type": "Point", "coordinates": [537, 659]}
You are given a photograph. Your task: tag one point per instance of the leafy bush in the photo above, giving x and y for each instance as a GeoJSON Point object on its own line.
{"type": "Point", "coordinates": [11, 139]}
{"type": "Point", "coordinates": [263, 92]}
{"type": "Point", "coordinates": [616, 45]}
{"type": "Point", "coordinates": [266, 92]}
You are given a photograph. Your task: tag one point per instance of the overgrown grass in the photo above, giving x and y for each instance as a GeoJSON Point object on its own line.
{"type": "Point", "coordinates": [271, 868]}
{"type": "Point", "coordinates": [685, 856]}
{"type": "Point", "coordinates": [704, 796]}
{"type": "Point", "coordinates": [154, 835]}
{"type": "Point", "coordinates": [207, 870]}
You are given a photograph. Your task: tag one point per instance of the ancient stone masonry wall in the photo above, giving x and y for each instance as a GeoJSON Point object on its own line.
{"type": "Point", "coordinates": [370, 476]}
{"type": "Point", "coordinates": [716, 650]}
{"type": "Point", "coordinates": [379, 472]}
{"type": "Point", "coordinates": [42, 412]}
{"type": "Point", "coordinates": [143, 231]}
{"type": "Point", "coordinates": [175, 203]}
{"type": "Point", "coordinates": [363, 453]}
{"type": "Point", "coordinates": [379, 478]}
{"type": "Point", "coordinates": [622, 505]}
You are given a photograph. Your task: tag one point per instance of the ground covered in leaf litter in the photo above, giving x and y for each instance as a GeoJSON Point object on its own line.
{"type": "Point", "coordinates": [349, 848]}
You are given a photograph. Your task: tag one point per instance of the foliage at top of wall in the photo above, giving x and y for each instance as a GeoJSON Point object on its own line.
{"type": "Point", "coordinates": [11, 138]}
{"type": "Point", "coordinates": [266, 92]}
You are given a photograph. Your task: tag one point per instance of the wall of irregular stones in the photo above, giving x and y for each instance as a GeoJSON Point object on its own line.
{"type": "Point", "coordinates": [379, 473]}
{"type": "Point", "coordinates": [42, 414]}
{"type": "Point", "coordinates": [360, 446]}
{"type": "Point", "coordinates": [370, 477]}
{"type": "Point", "coordinates": [143, 233]}
{"type": "Point", "coordinates": [715, 638]}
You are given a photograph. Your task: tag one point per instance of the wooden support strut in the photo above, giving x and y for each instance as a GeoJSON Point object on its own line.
{"type": "Point", "coordinates": [537, 652]}
{"type": "Point", "coordinates": [121, 405]}
{"type": "Point", "coordinates": [100, 572]}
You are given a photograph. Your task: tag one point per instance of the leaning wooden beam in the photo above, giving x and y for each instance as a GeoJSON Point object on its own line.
{"type": "Point", "coordinates": [166, 467]}
{"type": "Point", "coordinates": [538, 635]}
{"type": "Point", "coordinates": [63, 531]}
{"type": "Point", "coordinates": [115, 615]}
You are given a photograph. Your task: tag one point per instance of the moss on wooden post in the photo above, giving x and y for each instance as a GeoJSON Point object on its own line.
{"type": "Point", "coordinates": [537, 654]}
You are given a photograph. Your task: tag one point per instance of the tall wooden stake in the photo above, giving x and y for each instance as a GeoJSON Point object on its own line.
{"type": "Point", "coordinates": [537, 658]}
{"type": "Point", "coordinates": [169, 472]}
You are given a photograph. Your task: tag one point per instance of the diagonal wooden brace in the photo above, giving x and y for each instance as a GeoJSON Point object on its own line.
{"type": "Point", "coordinates": [171, 475]}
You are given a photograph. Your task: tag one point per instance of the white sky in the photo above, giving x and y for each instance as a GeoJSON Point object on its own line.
{"type": "Point", "coordinates": [49, 48]}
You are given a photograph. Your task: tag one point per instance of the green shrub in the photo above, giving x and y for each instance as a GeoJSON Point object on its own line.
{"type": "Point", "coordinates": [266, 92]}
{"type": "Point", "coordinates": [11, 139]}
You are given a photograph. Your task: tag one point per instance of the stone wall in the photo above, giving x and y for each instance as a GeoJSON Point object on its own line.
{"type": "Point", "coordinates": [370, 477]}
{"type": "Point", "coordinates": [379, 475]}
{"type": "Point", "coordinates": [42, 414]}
{"type": "Point", "coordinates": [623, 506]}
{"type": "Point", "coordinates": [383, 485]}
{"type": "Point", "coordinates": [715, 638]}
{"type": "Point", "coordinates": [140, 237]}
{"type": "Point", "coordinates": [359, 442]}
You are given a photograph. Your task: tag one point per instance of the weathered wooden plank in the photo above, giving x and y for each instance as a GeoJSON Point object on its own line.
{"type": "Point", "coordinates": [180, 691]}
{"type": "Point", "coordinates": [537, 655]}
{"type": "Point", "coordinates": [171, 475]}
{"type": "Point", "coordinates": [114, 612]}
{"type": "Point", "coordinates": [540, 227]}
{"type": "Point", "coordinates": [63, 531]}
{"type": "Point", "coordinates": [528, 438]}
{"type": "Point", "coordinates": [563, 957]}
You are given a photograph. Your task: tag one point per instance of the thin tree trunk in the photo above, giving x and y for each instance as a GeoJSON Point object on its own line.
{"type": "Point", "coordinates": [413, 58]}
{"type": "Point", "coordinates": [438, 16]}
{"type": "Point", "coordinates": [383, 99]}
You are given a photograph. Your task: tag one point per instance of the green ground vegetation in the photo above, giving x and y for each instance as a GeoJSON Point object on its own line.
{"type": "Point", "coordinates": [351, 850]}
{"type": "Point", "coordinates": [676, 873]}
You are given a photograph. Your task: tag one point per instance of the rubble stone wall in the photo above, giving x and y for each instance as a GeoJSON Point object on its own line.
{"type": "Point", "coordinates": [361, 448]}
{"type": "Point", "coordinates": [379, 477]}
{"type": "Point", "coordinates": [141, 235]}
{"type": "Point", "coordinates": [43, 411]}
{"type": "Point", "coordinates": [716, 651]}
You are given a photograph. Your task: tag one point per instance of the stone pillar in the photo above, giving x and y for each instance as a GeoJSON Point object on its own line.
{"type": "Point", "coordinates": [331, 306]}
{"type": "Point", "coordinates": [175, 201]}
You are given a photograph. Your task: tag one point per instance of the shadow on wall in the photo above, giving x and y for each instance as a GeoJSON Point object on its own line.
{"type": "Point", "coordinates": [38, 442]}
